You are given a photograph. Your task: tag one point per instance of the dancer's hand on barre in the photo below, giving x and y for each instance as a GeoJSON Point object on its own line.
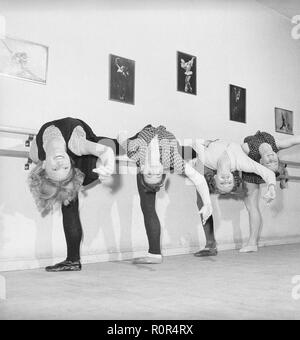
{"type": "Point", "coordinates": [206, 212]}
{"type": "Point", "coordinates": [106, 164]}
{"type": "Point", "coordinates": [103, 172]}
{"type": "Point", "coordinates": [271, 194]}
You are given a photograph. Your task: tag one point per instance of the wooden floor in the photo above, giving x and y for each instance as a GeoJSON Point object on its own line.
{"type": "Point", "coordinates": [229, 286]}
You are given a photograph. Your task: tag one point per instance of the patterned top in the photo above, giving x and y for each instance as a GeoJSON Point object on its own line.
{"type": "Point", "coordinates": [75, 143]}
{"type": "Point", "coordinates": [254, 142]}
{"type": "Point", "coordinates": [168, 148]}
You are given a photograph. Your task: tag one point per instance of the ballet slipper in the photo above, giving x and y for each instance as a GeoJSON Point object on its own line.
{"type": "Point", "coordinates": [207, 251]}
{"type": "Point", "coordinates": [149, 259]}
{"type": "Point", "coordinates": [249, 249]}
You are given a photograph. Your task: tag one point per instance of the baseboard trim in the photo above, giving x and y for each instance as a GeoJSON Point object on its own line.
{"type": "Point", "coordinates": [29, 264]}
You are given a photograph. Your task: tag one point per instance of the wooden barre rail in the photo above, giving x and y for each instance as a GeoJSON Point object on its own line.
{"type": "Point", "coordinates": [121, 159]}
{"type": "Point", "coordinates": [17, 130]}
{"type": "Point", "coordinates": [14, 153]}
{"type": "Point", "coordinates": [292, 164]}
{"type": "Point", "coordinates": [25, 154]}
{"type": "Point", "coordinates": [294, 178]}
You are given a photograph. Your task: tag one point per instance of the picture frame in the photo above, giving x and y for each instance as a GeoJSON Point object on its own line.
{"type": "Point", "coordinates": [284, 121]}
{"type": "Point", "coordinates": [186, 73]}
{"type": "Point", "coordinates": [237, 100]}
{"type": "Point", "coordinates": [24, 60]}
{"type": "Point", "coordinates": [122, 79]}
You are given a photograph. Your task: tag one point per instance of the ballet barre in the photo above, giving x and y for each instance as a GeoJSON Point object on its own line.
{"type": "Point", "coordinates": [121, 160]}
{"type": "Point", "coordinates": [14, 153]}
{"type": "Point", "coordinates": [18, 153]}
{"type": "Point", "coordinates": [125, 159]}
{"type": "Point", "coordinates": [292, 164]}
{"type": "Point", "coordinates": [294, 178]}
{"type": "Point", "coordinates": [17, 130]}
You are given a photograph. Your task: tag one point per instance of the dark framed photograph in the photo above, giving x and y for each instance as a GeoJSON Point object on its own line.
{"type": "Point", "coordinates": [237, 99]}
{"type": "Point", "coordinates": [284, 121]}
{"type": "Point", "coordinates": [186, 73]}
{"type": "Point", "coordinates": [122, 79]}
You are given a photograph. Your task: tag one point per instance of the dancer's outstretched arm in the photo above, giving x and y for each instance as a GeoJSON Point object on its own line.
{"type": "Point", "coordinates": [246, 164]}
{"type": "Point", "coordinates": [106, 157]}
{"type": "Point", "coordinates": [202, 188]}
{"type": "Point", "coordinates": [288, 143]}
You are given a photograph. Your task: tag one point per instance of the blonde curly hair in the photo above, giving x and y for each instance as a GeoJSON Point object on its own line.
{"type": "Point", "coordinates": [47, 192]}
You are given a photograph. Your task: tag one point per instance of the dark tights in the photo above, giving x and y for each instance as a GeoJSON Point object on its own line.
{"type": "Point", "coordinates": [73, 230]}
{"type": "Point", "coordinates": [151, 219]}
{"type": "Point", "coordinates": [71, 219]}
{"type": "Point", "coordinates": [152, 224]}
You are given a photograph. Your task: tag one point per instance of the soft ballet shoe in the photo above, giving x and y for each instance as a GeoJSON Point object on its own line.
{"type": "Point", "coordinates": [207, 252]}
{"type": "Point", "coordinates": [249, 249]}
{"type": "Point", "coordinates": [65, 266]}
{"type": "Point", "coordinates": [148, 260]}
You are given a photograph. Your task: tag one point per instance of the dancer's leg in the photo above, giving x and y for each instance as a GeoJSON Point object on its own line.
{"type": "Point", "coordinates": [152, 224]}
{"type": "Point", "coordinates": [255, 219]}
{"type": "Point", "coordinates": [211, 244]}
{"type": "Point", "coordinates": [73, 235]}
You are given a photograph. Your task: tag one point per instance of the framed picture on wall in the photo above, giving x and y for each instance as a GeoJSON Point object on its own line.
{"type": "Point", "coordinates": [122, 78]}
{"type": "Point", "coordinates": [23, 60]}
{"type": "Point", "coordinates": [237, 99]}
{"type": "Point", "coordinates": [186, 73]}
{"type": "Point", "coordinates": [284, 121]}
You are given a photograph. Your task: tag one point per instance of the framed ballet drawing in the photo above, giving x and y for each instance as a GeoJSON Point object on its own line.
{"type": "Point", "coordinates": [122, 79]}
{"type": "Point", "coordinates": [186, 73]}
{"type": "Point", "coordinates": [23, 60]}
{"type": "Point", "coordinates": [284, 121]}
{"type": "Point", "coordinates": [237, 100]}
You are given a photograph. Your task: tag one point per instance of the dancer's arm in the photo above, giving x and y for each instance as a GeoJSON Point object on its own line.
{"type": "Point", "coordinates": [105, 166]}
{"type": "Point", "coordinates": [246, 164]}
{"type": "Point", "coordinates": [181, 167]}
{"type": "Point", "coordinates": [202, 188]}
{"type": "Point", "coordinates": [249, 165]}
{"type": "Point", "coordinates": [79, 145]}
{"type": "Point", "coordinates": [288, 143]}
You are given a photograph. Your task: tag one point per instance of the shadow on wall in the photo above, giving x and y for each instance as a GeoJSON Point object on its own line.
{"type": "Point", "coordinates": [182, 221]}
{"type": "Point", "coordinates": [225, 213]}
{"type": "Point", "coordinates": [277, 206]}
{"type": "Point", "coordinates": [19, 218]}
{"type": "Point", "coordinates": [108, 212]}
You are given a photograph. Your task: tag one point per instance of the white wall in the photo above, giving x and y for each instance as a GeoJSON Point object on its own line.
{"type": "Point", "coordinates": [237, 42]}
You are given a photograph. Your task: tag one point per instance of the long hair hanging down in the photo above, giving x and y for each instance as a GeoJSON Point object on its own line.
{"type": "Point", "coordinates": [47, 192]}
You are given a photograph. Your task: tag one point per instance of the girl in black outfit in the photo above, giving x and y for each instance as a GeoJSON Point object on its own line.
{"type": "Point", "coordinates": [68, 155]}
